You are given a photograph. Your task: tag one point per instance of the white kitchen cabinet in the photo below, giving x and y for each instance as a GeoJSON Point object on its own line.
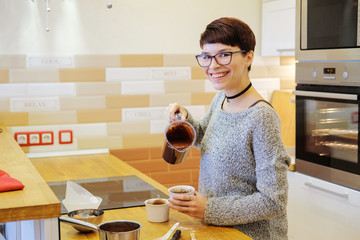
{"type": "Point", "coordinates": [319, 209]}
{"type": "Point", "coordinates": [278, 28]}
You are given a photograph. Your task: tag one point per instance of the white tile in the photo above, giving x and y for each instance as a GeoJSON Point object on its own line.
{"type": "Point", "coordinates": [170, 73]}
{"type": "Point", "coordinates": [44, 61]}
{"type": "Point", "coordinates": [209, 87]}
{"type": "Point", "coordinates": [8, 90]}
{"type": "Point", "coordinates": [266, 61]}
{"type": "Point", "coordinates": [121, 74]}
{"type": "Point", "coordinates": [39, 128]}
{"type": "Point", "coordinates": [86, 130]}
{"type": "Point", "coordinates": [52, 89]}
{"type": "Point", "coordinates": [34, 104]}
{"type": "Point", "coordinates": [143, 114]}
{"type": "Point", "coordinates": [53, 148]}
{"type": "Point", "coordinates": [269, 84]}
{"type": "Point", "coordinates": [197, 111]}
{"type": "Point", "coordinates": [142, 87]}
{"type": "Point", "coordinates": [158, 126]}
{"type": "Point", "coordinates": [265, 94]}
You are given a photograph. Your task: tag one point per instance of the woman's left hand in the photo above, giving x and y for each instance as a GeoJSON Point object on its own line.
{"type": "Point", "coordinates": [192, 205]}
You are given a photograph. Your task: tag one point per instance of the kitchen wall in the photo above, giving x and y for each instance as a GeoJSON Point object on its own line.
{"type": "Point", "coordinates": [129, 27]}
{"type": "Point", "coordinates": [102, 78]}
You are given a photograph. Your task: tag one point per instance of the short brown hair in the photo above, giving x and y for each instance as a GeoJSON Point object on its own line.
{"type": "Point", "coordinates": [229, 31]}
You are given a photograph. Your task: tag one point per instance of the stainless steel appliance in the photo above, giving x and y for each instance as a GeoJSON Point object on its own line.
{"type": "Point", "coordinates": [328, 90]}
{"type": "Point", "coordinates": [327, 30]}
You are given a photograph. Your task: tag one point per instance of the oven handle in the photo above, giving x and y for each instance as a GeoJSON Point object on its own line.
{"type": "Point", "coordinates": [325, 95]}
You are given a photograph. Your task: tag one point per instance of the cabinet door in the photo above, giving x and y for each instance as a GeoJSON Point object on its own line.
{"type": "Point", "coordinates": [278, 28]}
{"type": "Point", "coordinates": [321, 210]}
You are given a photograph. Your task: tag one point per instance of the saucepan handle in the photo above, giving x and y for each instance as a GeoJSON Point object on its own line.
{"type": "Point", "coordinates": [76, 222]}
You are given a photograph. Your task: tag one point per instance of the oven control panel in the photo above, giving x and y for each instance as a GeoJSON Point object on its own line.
{"type": "Point", "coordinates": [342, 73]}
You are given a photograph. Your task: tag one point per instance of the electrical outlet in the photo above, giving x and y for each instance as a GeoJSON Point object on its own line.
{"type": "Point", "coordinates": [47, 138]}
{"type": "Point", "coordinates": [34, 138]}
{"type": "Point", "coordinates": [21, 138]}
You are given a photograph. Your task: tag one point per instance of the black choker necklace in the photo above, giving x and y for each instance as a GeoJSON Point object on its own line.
{"type": "Point", "coordinates": [239, 94]}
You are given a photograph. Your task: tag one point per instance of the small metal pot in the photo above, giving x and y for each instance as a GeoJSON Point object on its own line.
{"type": "Point", "coordinates": [111, 230]}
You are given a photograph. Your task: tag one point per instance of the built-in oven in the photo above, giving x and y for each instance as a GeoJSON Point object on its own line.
{"type": "Point", "coordinates": [327, 54]}
{"type": "Point", "coordinates": [323, 25]}
{"type": "Point", "coordinates": [327, 133]}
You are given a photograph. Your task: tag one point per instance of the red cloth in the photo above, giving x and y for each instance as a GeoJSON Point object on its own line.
{"type": "Point", "coordinates": [8, 183]}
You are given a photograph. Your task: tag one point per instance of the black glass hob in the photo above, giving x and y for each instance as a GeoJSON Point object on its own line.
{"type": "Point", "coordinates": [116, 192]}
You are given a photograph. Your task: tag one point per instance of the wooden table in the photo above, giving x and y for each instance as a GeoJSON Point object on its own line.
{"type": "Point", "coordinates": [106, 165]}
{"type": "Point", "coordinates": [36, 200]}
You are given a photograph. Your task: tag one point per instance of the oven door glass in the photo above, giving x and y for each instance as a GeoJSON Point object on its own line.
{"type": "Point", "coordinates": [327, 132]}
{"type": "Point", "coordinates": [336, 28]}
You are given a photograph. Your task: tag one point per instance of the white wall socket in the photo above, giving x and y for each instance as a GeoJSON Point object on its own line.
{"type": "Point", "coordinates": [34, 138]}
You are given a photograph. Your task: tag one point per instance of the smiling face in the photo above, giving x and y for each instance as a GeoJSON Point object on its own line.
{"type": "Point", "coordinates": [232, 77]}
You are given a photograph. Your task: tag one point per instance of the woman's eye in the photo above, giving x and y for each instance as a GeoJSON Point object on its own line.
{"type": "Point", "coordinates": [225, 54]}
{"type": "Point", "coordinates": [206, 57]}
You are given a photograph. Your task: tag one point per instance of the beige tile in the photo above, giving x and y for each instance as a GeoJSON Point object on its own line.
{"type": "Point", "coordinates": [98, 88]}
{"type": "Point", "coordinates": [14, 119]}
{"type": "Point", "coordinates": [82, 75]}
{"type": "Point", "coordinates": [179, 60]}
{"type": "Point", "coordinates": [12, 61]}
{"type": "Point", "coordinates": [287, 71]}
{"type": "Point", "coordinates": [143, 140]}
{"type": "Point", "coordinates": [4, 76]}
{"type": "Point", "coordinates": [48, 118]}
{"type": "Point", "coordinates": [266, 61]}
{"type": "Point", "coordinates": [132, 154]}
{"type": "Point", "coordinates": [99, 115]}
{"type": "Point", "coordinates": [202, 98]}
{"type": "Point", "coordinates": [165, 99]}
{"type": "Point", "coordinates": [34, 75]}
{"type": "Point", "coordinates": [111, 142]}
{"type": "Point", "coordinates": [287, 83]}
{"type": "Point", "coordinates": [287, 60]}
{"type": "Point", "coordinates": [259, 72]}
{"type": "Point", "coordinates": [4, 105]}
{"type": "Point", "coordinates": [83, 102]}
{"type": "Point", "coordinates": [97, 61]}
{"type": "Point", "coordinates": [127, 101]}
{"type": "Point", "coordinates": [127, 128]}
{"type": "Point", "coordinates": [178, 86]}
{"type": "Point", "coordinates": [141, 60]}
{"type": "Point", "coordinates": [197, 73]}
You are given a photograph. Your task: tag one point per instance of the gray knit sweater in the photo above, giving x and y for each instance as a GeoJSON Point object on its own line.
{"type": "Point", "coordinates": [243, 170]}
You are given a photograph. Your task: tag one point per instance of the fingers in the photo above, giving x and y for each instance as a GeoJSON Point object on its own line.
{"type": "Point", "coordinates": [174, 108]}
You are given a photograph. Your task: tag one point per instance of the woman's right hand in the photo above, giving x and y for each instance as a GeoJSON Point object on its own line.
{"type": "Point", "coordinates": [174, 108]}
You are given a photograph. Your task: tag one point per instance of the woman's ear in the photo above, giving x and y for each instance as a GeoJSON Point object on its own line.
{"type": "Point", "coordinates": [249, 58]}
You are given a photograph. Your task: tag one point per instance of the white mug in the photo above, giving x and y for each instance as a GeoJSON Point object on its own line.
{"type": "Point", "coordinates": [157, 210]}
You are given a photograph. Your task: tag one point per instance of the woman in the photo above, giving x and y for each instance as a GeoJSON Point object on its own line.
{"type": "Point", "coordinates": [243, 181]}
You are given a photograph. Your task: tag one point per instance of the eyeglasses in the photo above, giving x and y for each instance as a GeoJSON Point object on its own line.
{"type": "Point", "coordinates": [223, 58]}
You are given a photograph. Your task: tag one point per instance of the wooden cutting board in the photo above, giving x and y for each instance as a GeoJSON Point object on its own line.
{"type": "Point", "coordinates": [284, 104]}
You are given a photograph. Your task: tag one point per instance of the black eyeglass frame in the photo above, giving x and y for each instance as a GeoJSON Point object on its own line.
{"type": "Point", "coordinates": [214, 57]}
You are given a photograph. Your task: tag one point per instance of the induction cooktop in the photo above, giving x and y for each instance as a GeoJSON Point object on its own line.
{"type": "Point", "coordinates": [116, 192]}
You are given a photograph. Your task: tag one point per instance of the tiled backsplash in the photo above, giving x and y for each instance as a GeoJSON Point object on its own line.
{"type": "Point", "coordinates": [115, 101]}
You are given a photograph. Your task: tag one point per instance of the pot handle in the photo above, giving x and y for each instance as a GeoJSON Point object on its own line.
{"type": "Point", "coordinates": [76, 222]}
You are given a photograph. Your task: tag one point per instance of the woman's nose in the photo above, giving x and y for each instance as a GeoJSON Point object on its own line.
{"type": "Point", "coordinates": [213, 63]}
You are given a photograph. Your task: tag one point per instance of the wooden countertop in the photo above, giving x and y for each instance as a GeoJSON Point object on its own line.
{"type": "Point", "coordinates": [106, 165]}
{"type": "Point", "coordinates": [36, 200]}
